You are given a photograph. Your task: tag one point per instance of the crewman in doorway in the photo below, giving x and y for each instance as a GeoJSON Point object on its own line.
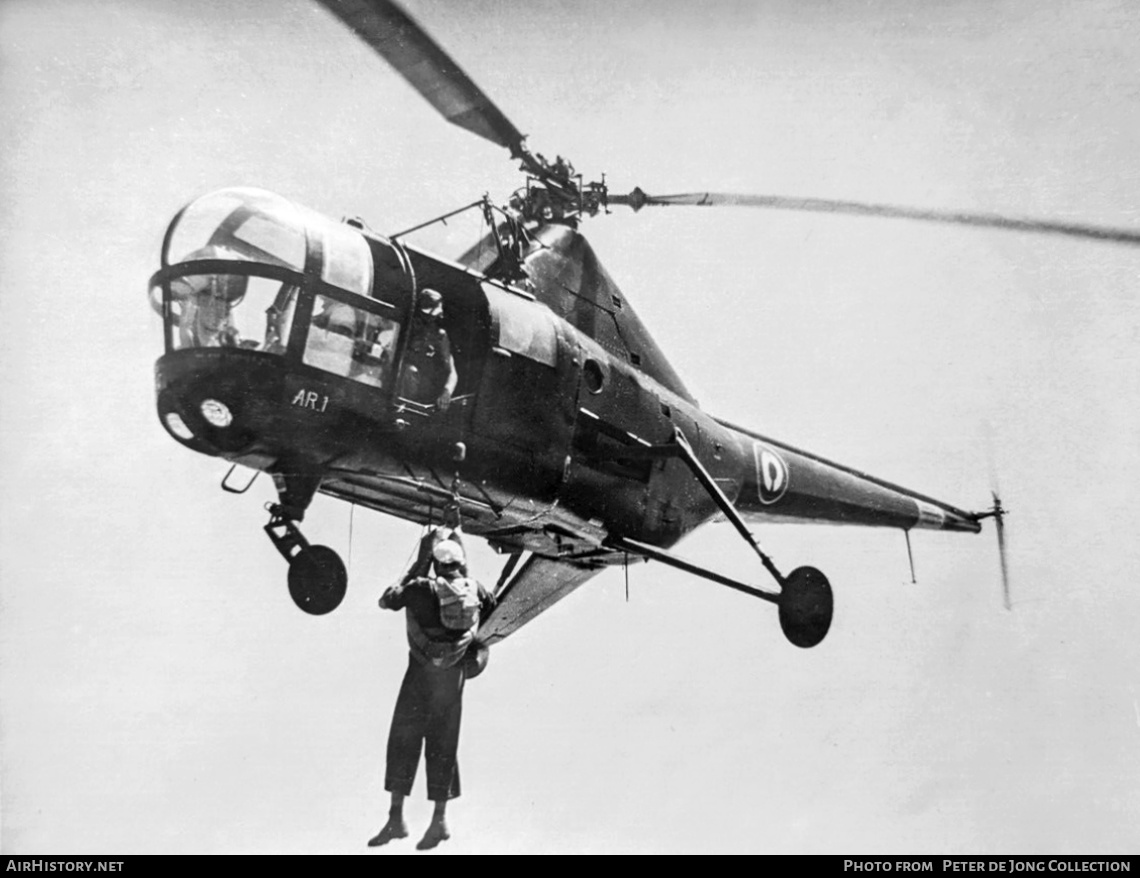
{"type": "Point", "coordinates": [429, 373]}
{"type": "Point", "coordinates": [442, 614]}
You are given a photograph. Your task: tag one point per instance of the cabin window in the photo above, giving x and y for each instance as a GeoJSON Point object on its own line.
{"type": "Point", "coordinates": [351, 342]}
{"type": "Point", "coordinates": [523, 327]}
{"type": "Point", "coordinates": [231, 311]}
{"type": "Point", "coordinates": [347, 260]}
{"type": "Point", "coordinates": [594, 376]}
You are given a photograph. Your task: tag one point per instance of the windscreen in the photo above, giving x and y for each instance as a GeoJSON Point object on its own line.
{"type": "Point", "coordinates": [231, 311]}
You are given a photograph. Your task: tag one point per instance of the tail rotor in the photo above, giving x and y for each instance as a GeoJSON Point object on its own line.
{"type": "Point", "coordinates": [998, 512]}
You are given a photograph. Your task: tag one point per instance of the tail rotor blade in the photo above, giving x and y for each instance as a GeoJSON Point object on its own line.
{"type": "Point", "coordinates": [999, 526]}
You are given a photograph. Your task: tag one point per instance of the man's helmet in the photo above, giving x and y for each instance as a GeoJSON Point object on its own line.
{"type": "Point", "coordinates": [430, 303]}
{"type": "Point", "coordinates": [448, 552]}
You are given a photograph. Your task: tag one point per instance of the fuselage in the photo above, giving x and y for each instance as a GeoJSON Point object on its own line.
{"type": "Point", "coordinates": [290, 348]}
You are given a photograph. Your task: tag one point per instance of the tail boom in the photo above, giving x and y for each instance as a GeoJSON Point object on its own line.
{"type": "Point", "coordinates": [786, 483]}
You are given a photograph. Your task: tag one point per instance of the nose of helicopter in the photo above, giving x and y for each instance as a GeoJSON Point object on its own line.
{"type": "Point", "coordinates": [216, 401]}
{"type": "Point", "coordinates": [250, 406]}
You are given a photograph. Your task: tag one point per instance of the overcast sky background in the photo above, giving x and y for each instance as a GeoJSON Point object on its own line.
{"type": "Point", "coordinates": [160, 693]}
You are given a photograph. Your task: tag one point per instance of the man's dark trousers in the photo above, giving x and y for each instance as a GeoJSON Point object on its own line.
{"type": "Point", "coordinates": [428, 711]}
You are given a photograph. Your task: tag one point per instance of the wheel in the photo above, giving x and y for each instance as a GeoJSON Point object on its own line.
{"type": "Point", "coordinates": [806, 607]}
{"type": "Point", "coordinates": [317, 580]}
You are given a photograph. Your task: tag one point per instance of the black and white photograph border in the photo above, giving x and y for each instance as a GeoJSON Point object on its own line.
{"type": "Point", "coordinates": [161, 694]}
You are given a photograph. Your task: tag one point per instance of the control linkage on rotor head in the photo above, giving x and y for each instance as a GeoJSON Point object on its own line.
{"type": "Point", "coordinates": [555, 192]}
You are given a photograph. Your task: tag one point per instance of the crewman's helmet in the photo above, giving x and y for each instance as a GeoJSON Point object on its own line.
{"type": "Point", "coordinates": [448, 552]}
{"type": "Point", "coordinates": [430, 303]}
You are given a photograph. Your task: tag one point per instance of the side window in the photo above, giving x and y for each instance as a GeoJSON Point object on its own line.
{"type": "Point", "coordinates": [351, 342]}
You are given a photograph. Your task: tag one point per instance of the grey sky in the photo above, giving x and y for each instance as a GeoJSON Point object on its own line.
{"type": "Point", "coordinates": [160, 692]}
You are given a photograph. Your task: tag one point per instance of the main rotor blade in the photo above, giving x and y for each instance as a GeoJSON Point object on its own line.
{"type": "Point", "coordinates": [431, 71]}
{"type": "Point", "coordinates": [638, 199]}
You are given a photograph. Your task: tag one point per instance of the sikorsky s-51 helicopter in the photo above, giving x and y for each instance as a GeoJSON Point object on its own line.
{"type": "Point", "coordinates": [516, 385]}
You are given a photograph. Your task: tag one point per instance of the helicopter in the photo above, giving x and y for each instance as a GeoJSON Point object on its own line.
{"type": "Point", "coordinates": [568, 442]}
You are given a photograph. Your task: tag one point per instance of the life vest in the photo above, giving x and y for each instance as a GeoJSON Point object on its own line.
{"type": "Point", "coordinates": [458, 602]}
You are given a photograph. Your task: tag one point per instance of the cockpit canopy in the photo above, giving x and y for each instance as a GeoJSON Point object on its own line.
{"type": "Point", "coordinates": [243, 224]}
{"type": "Point", "coordinates": [240, 265]}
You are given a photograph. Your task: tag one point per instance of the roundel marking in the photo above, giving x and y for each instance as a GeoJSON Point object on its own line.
{"type": "Point", "coordinates": [771, 473]}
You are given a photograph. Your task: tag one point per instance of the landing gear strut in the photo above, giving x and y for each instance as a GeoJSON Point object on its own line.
{"type": "Point", "coordinates": [804, 600]}
{"type": "Point", "coordinates": [317, 577]}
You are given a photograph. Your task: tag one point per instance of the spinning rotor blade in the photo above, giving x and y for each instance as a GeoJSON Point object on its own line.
{"type": "Point", "coordinates": [638, 199]}
{"type": "Point", "coordinates": [430, 70]}
{"type": "Point", "coordinates": [998, 513]}
{"type": "Point", "coordinates": [999, 526]}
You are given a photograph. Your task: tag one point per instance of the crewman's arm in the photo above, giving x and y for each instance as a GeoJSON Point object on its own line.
{"type": "Point", "coordinates": [393, 597]}
{"type": "Point", "coordinates": [422, 564]}
{"type": "Point", "coordinates": [396, 597]}
{"type": "Point", "coordinates": [487, 601]}
{"type": "Point", "coordinates": [444, 401]}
